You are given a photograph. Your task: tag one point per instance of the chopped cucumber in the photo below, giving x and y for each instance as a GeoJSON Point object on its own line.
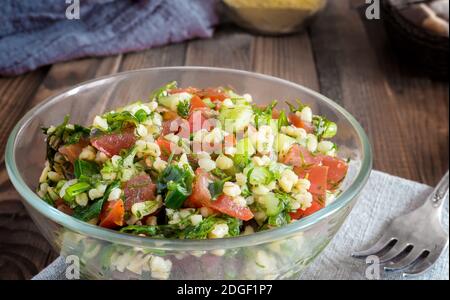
{"type": "Point", "coordinates": [245, 147]}
{"type": "Point", "coordinates": [259, 175]}
{"type": "Point", "coordinates": [277, 169]}
{"type": "Point", "coordinates": [236, 118]}
{"type": "Point", "coordinates": [274, 125]}
{"type": "Point", "coordinates": [171, 101]}
{"type": "Point", "coordinates": [283, 143]}
{"type": "Point", "coordinates": [270, 204]}
{"type": "Point", "coordinates": [330, 131]}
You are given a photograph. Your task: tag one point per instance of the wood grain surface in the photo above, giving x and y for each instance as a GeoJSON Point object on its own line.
{"type": "Point", "coordinates": [343, 56]}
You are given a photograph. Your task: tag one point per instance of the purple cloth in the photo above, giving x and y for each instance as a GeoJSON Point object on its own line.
{"type": "Point", "coordinates": [36, 33]}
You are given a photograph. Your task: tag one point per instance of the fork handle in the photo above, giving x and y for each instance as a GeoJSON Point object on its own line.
{"type": "Point", "coordinates": [439, 194]}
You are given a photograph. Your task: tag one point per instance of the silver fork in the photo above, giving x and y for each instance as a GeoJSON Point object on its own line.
{"type": "Point", "coordinates": [413, 242]}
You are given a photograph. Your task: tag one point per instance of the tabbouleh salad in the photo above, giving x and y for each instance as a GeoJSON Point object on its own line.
{"type": "Point", "coordinates": [193, 164]}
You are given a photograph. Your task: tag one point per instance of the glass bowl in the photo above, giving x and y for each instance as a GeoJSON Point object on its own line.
{"type": "Point", "coordinates": [104, 254]}
{"type": "Point", "coordinates": [272, 17]}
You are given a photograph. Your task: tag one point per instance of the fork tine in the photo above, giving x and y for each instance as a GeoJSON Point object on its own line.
{"type": "Point", "coordinates": [405, 262]}
{"type": "Point", "coordinates": [423, 265]}
{"type": "Point", "coordinates": [382, 243]}
{"type": "Point", "coordinates": [395, 251]}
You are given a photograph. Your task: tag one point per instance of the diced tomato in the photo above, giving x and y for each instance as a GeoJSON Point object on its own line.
{"type": "Point", "coordinates": [111, 144]}
{"type": "Point", "coordinates": [167, 147]}
{"type": "Point", "coordinates": [315, 206]}
{"type": "Point", "coordinates": [164, 145]}
{"type": "Point", "coordinates": [197, 102]}
{"type": "Point", "coordinates": [138, 189]}
{"type": "Point", "coordinates": [213, 94]}
{"type": "Point", "coordinates": [297, 122]}
{"type": "Point", "coordinates": [299, 156]}
{"type": "Point", "coordinates": [200, 193]}
{"type": "Point", "coordinates": [337, 169]}
{"type": "Point", "coordinates": [201, 197]}
{"type": "Point", "coordinates": [226, 205]}
{"type": "Point", "coordinates": [72, 152]}
{"type": "Point", "coordinates": [317, 175]}
{"type": "Point", "coordinates": [112, 214]}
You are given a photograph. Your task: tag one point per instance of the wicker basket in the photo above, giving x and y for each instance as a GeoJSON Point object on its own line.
{"type": "Point", "coordinates": [415, 44]}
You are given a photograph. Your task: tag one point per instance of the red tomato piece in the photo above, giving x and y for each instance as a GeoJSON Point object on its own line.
{"type": "Point", "coordinates": [337, 169]}
{"type": "Point", "coordinates": [164, 145]}
{"type": "Point", "coordinates": [72, 152]}
{"type": "Point", "coordinates": [226, 205]}
{"type": "Point", "coordinates": [315, 206]}
{"type": "Point", "coordinates": [200, 193]}
{"type": "Point", "coordinates": [299, 156]}
{"type": "Point", "coordinates": [112, 214]}
{"type": "Point", "coordinates": [297, 122]}
{"type": "Point", "coordinates": [201, 197]}
{"type": "Point", "coordinates": [111, 144]}
{"type": "Point", "coordinates": [215, 94]}
{"type": "Point", "coordinates": [138, 189]}
{"type": "Point", "coordinates": [167, 148]}
{"type": "Point", "coordinates": [197, 102]}
{"type": "Point", "coordinates": [317, 175]}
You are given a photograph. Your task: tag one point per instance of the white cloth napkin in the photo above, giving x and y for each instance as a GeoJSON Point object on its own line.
{"type": "Point", "coordinates": [383, 198]}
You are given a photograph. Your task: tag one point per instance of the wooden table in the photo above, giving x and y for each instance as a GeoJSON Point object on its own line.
{"type": "Point", "coordinates": [345, 58]}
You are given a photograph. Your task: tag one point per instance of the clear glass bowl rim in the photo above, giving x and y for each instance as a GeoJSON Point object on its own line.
{"type": "Point", "coordinates": [172, 244]}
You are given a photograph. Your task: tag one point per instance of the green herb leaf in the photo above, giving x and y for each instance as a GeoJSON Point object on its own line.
{"type": "Point", "coordinates": [201, 230]}
{"type": "Point", "coordinates": [76, 189]}
{"type": "Point", "coordinates": [176, 195]}
{"type": "Point", "coordinates": [118, 120]}
{"type": "Point", "coordinates": [282, 120]}
{"type": "Point", "coordinates": [263, 116]}
{"type": "Point", "coordinates": [216, 187]}
{"type": "Point", "coordinates": [241, 161]}
{"type": "Point", "coordinates": [63, 135]}
{"type": "Point", "coordinates": [283, 218]}
{"type": "Point", "coordinates": [219, 173]}
{"type": "Point", "coordinates": [85, 170]}
{"type": "Point", "coordinates": [141, 115]}
{"type": "Point", "coordinates": [324, 128]}
{"type": "Point", "coordinates": [176, 183]}
{"type": "Point", "coordinates": [297, 108]}
{"type": "Point", "coordinates": [183, 108]}
{"type": "Point", "coordinates": [163, 91]}
{"type": "Point", "coordinates": [166, 231]}
{"type": "Point", "coordinates": [92, 211]}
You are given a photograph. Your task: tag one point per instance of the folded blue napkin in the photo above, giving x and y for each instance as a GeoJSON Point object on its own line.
{"type": "Point", "coordinates": [36, 33]}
